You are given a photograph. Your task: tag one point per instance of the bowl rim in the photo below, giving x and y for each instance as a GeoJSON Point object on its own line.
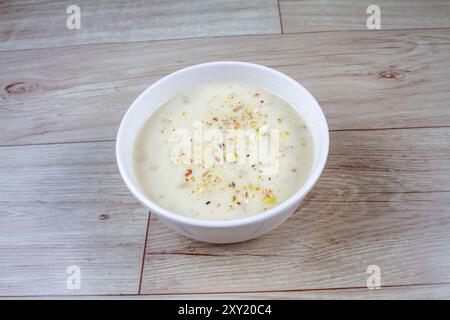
{"type": "Point", "coordinates": [263, 216]}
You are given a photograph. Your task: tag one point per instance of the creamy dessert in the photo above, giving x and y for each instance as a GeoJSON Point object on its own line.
{"type": "Point", "coordinates": [221, 151]}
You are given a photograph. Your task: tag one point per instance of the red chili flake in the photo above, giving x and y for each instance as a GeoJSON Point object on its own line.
{"type": "Point", "coordinates": [238, 203]}
{"type": "Point", "coordinates": [188, 173]}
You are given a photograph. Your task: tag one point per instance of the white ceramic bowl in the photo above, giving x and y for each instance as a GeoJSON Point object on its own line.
{"type": "Point", "coordinates": [260, 76]}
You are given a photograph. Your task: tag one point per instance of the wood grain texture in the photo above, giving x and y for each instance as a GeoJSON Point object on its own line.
{"type": "Point", "coordinates": [389, 79]}
{"type": "Point", "coordinates": [434, 291]}
{"type": "Point", "coordinates": [53, 198]}
{"type": "Point", "coordinates": [437, 291]}
{"type": "Point", "coordinates": [29, 24]}
{"type": "Point", "coordinates": [383, 199]}
{"type": "Point", "coordinates": [63, 205]}
{"type": "Point", "coordinates": [329, 15]}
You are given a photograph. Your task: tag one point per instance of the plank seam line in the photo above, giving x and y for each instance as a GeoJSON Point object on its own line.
{"type": "Point", "coordinates": [391, 128]}
{"type": "Point", "coordinates": [279, 16]}
{"type": "Point", "coordinates": [232, 292]}
{"type": "Point", "coordinates": [306, 290]}
{"type": "Point", "coordinates": [53, 143]}
{"type": "Point", "coordinates": [223, 36]}
{"type": "Point", "coordinates": [143, 253]}
{"type": "Point", "coordinates": [112, 140]}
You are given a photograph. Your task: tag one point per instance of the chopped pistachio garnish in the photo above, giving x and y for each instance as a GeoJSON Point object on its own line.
{"type": "Point", "coordinates": [270, 200]}
{"type": "Point", "coordinates": [231, 157]}
{"type": "Point", "coordinates": [236, 178]}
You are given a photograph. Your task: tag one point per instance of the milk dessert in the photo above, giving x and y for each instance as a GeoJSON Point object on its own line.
{"type": "Point", "coordinates": [222, 151]}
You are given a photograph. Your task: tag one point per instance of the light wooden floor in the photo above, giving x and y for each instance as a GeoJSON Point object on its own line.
{"type": "Point", "coordinates": [383, 199]}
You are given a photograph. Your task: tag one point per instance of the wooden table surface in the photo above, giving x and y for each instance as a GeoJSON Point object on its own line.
{"type": "Point", "coordinates": [382, 200]}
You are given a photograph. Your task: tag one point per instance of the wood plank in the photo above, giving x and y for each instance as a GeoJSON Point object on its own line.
{"type": "Point", "coordinates": [29, 24]}
{"type": "Point", "coordinates": [383, 199]}
{"type": "Point", "coordinates": [369, 80]}
{"type": "Point", "coordinates": [328, 15]}
{"type": "Point", "coordinates": [81, 181]}
{"type": "Point", "coordinates": [396, 293]}
{"type": "Point", "coordinates": [432, 291]}
{"type": "Point", "coordinates": [63, 205]}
